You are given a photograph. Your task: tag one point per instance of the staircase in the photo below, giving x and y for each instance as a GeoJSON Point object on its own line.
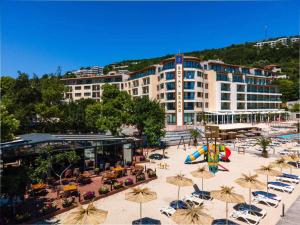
{"type": "Point", "coordinates": [173, 137]}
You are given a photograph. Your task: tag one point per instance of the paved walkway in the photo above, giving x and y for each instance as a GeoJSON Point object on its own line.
{"type": "Point", "coordinates": [292, 216]}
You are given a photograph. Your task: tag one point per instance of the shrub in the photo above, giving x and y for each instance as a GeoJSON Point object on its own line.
{"type": "Point", "coordinates": [103, 190]}
{"type": "Point", "coordinates": [140, 177]}
{"type": "Point", "coordinates": [117, 185]}
{"type": "Point", "coordinates": [128, 182]}
{"type": "Point", "coordinates": [22, 217]}
{"type": "Point", "coordinates": [89, 195]}
{"type": "Point", "coordinates": [49, 206]}
{"type": "Point", "coordinates": [151, 173]}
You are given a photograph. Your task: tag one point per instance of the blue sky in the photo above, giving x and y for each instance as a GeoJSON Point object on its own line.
{"type": "Point", "coordinates": [36, 37]}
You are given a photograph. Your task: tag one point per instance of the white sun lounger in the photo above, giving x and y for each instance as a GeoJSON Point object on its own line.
{"type": "Point", "coordinates": [267, 195]}
{"type": "Point", "coordinates": [287, 179]}
{"type": "Point", "coordinates": [167, 210]}
{"type": "Point", "coordinates": [281, 187]}
{"type": "Point", "coordinates": [193, 200]}
{"type": "Point", "coordinates": [246, 216]}
{"type": "Point", "coordinates": [267, 201]}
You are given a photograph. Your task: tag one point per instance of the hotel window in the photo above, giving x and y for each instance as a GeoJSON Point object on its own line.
{"type": "Point", "coordinates": [68, 95]}
{"type": "Point", "coordinates": [225, 105]}
{"type": "Point", "coordinates": [135, 91]}
{"type": "Point", "coordinates": [129, 84]}
{"type": "Point", "coordinates": [189, 74]}
{"type": "Point", "coordinates": [206, 104]}
{"type": "Point", "coordinates": [199, 84]}
{"type": "Point", "coordinates": [169, 65]}
{"type": "Point", "coordinates": [96, 95]}
{"type": "Point", "coordinates": [145, 90]}
{"type": "Point", "coordinates": [206, 95]}
{"type": "Point", "coordinates": [170, 106]}
{"type": "Point", "coordinates": [162, 76]}
{"type": "Point", "coordinates": [199, 104]}
{"type": "Point", "coordinates": [146, 81]}
{"type": "Point", "coordinates": [171, 118]}
{"type": "Point", "coordinates": [189, 85]}
{"type": "Point", "coordinates": [205, 76]}
{"type": "Point", "coordinates": [170, 86]}
{"type": "Point", "coordinates": [189, 95]}
{"type": "Point", "coordinates": [157, 87]}
{"type": "Point", "coordinates": [225, 87]}
{"type": "Point", "coordinates": [189, 106]}
{"type": "Point", "coordinates": [87, 94]}
{"type": "Point", "coordinates": [135, 83]}
{"type": "Point", "coordinates": [191, 64]}
{"type": "Point", "coordinates": [161, 86]}
{"type": "Point", "coordinates": [199, 74]}
{"type": "Point", "coordinates": [206, 86]}
{"type": "Point", "coordinates": [188, 118]}
{"type": "Point", "coordinates": [199, 94]}
{"type": "Point", "coordinates": [162, 95]}
{"type": "Point", "coordinates": [122, 86]}
{"type": "Point", "coordinates": [170, 76]}
{"type": "Point", "coordinates": [78, 88]}
{"type": "Point", "coordinates": [77, 94]}
{"type": "Point", "coordinates": [170, 96]}
{"type": "Point", "coordinates": [96, 87]}
{"type": "Point", "coordinates": [157, 96]}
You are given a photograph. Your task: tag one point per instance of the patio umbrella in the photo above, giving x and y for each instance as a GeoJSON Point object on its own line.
{"type": "Point", "coordinates": [268, 171]}
{"type": "Point", "coordinates": [202, 173]}
{"type": "Point", "coordinates": [91, 215]}
{"type": "Point", "coordinates": [181, 181]}
{"type": "Point", "coordinates": [140, 195]}
{"type": "Point", "coordinates": [282, 164]}
{"type": "Point", "coordinates": [251, 182]}
{"type": "Point", "coordinates": [226, 194]}
{"type": "Point", "coordinates": [192, 215]}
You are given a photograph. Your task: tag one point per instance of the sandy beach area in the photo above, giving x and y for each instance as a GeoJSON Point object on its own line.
{"type": "Point", "coordinates": [121, 211]}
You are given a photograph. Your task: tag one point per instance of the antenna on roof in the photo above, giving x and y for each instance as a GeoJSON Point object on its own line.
{"type": "Point", "coordinates": [266, 32]}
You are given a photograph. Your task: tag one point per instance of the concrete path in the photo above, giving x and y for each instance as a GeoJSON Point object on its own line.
{"type": "Point", "coordinates": [292, 216]}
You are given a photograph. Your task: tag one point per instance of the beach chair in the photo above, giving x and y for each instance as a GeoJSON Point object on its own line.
{"type": "Point", "coordinates": [192, 200]}
{"type": "Point", "coordinates": [246, 216]}
{"type": "Point", "coordinates": [279, 186]}
{"type": "Point", "coordinates": [167, 210]}
{"type": "Point", "coordinates": [252, 209]}
{"type": "Point", "coordinates": [291, 176]}
{"type": "Point", "coordinates": [287, 179]}
{"type": "Point", "coordinates": [201, 194]}
{"type": "Point", "coordinates": [267, 195]}
{"type": "Point", "coordinates": [267, 201]}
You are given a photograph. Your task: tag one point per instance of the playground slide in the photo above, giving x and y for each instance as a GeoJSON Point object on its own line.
{"type": "Point", "coordinates": [224, 154]}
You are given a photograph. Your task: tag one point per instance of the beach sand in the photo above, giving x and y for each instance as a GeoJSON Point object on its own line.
{"type": "Point", "coordinates": [121, 211]}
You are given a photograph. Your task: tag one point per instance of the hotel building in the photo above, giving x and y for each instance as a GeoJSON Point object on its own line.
{"type": "Point", "coordinates": [186, 87]}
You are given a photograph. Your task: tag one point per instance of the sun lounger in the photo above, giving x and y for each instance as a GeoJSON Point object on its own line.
{"type": "Point", "coordinates": [167, 210]}
{"type": "Point", "coordinates": [190, 199]}
{"type": "Point", "coordinates": [279, 186]}
{"type": "Point", "coordinates": [201, 194]}
{"type": "Point", "coordinates": [287, 179]}
{"type": "Point", "coordinates": [291, 176]}
{"type": "Point", "coordinates": [267, 195]}
{"type": "Point", "coordinates": [246, 216]}
{"type": "Point", "coordinates": [252, 209]}
{"type": "Point", "coordinates": [265, 200]}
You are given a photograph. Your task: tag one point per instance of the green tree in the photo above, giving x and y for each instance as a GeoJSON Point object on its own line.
{"type": "Point", "coordinates": [9, 124]}
{"type": "Point", "coordinates": [7, 84]}
{"type": "Point", "coordinates": [115, 110]}
{"type": "Point", "coordinates": [195, 134]}
{"type": "Point", "coordinates": [296, 108]}
{"type": "Point", "coordinates": [154, 131]}
{"type": "Point", "coordinates": [57, 163]}
{"type": "Point", "coordinates": [288, 88]}
{"type": "Point", "coordinates": [264, 142]}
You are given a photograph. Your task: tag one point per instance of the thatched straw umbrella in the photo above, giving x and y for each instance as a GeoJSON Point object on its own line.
{"type": "Point", "coordinates": [202, 173]}
{"type": "Point", "coordinates": [140, 195]}
{"type": "Point", "coordinates": [91, 215]}
{"type": "Point", "coordinates": [282, 164]}
{"type": "Point", "coordinates": [251, 182]}
{"type": "Point", "coordinates": [180, 181]}
{"type": "Point", "coordinates": [268, 171]}
{"type": "Point", "coordinates": [226, 194]}
{"type": "Point", "coordinates": [192, 215]}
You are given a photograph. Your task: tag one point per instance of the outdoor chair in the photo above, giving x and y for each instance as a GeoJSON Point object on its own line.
{"type": "Point", "coordinates": [265, 200]}
{"type": "Point", "coordinates": [167, 210]}
{"type": "Point", "coordinates": [192, 200]}
{"type": "Point", "coordinates": [252, 209]}
{"type": "Point", "coordinates": [246, 216]}
{"type": "Point", "coordinates": [279, 186]}
{"type": "Point", "coordinates": [287, 179]}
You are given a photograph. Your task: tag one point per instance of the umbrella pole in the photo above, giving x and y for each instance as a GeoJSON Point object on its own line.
{"type": "Point", "coordinates": [202, 189]}
{"type": "Point", "coordinates": [267, 185]}
{"type": "Point", "coordinates": [226, 213]}
{"type": "Point", "coordinates": [178, 196]}
{"type": "Point", "coordinates": [250, 198]}
{"type": "Point", "coordinates": [140, 213]}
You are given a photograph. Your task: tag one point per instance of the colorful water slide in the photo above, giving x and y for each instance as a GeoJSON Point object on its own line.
{"type": "Point", "coordinates": [224, 153]}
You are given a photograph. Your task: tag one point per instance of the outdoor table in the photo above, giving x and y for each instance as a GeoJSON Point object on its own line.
{"type": "Point", "coordinates": [70, 187]}
{"type": "Point", "coordinates": [38, 186]}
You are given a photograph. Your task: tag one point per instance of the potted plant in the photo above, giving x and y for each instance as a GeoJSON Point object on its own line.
{"type": "Point", "coordinates": [264, 142]}
{"type": "Point", "coordinates": [97, 170]}
{"type": "Point", "coordinates": [67, 202]}
{"type": "Point", "coordinates": [140, 177]}
{"type": "Point", "coordinates": [128, 182]}
{"type": "Point", "coordinates": [89, 195]}
{"type": "Point", "coordinates": [117, 185]}
{"type": "Point", "coordinates": [103, 190]}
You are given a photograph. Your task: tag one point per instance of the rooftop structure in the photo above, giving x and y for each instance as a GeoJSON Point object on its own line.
{"type": "Point", "coordinates": [273, 43]}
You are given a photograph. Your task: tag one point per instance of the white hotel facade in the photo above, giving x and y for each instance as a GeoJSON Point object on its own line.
{"type": "Point", "coordinates": [186, 87]}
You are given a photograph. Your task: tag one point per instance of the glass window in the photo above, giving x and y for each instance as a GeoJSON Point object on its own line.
{"type": "Point", "coordinates": [189, 74]}
{"type": "Point", "coordinates": [170, 96]}
{"type": "Point", "coordinates": [189, 85]}
{"type": "Point", "coordinates": [188, 118]}
{"type": "Point", "coordinates": [170, 86]}
{"type": "Point", "coordinates": [171, 118]}
{"type": "Point", "coordinates": [189, 106]}
{"type": "Point", "coordinates": [170, 76]}
{"type": "Point", "coordinates": [189, 95]}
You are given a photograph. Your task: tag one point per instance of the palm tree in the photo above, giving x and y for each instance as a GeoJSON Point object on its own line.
{"type": "Point", "coordinates": [264, 142]}
{"type": "Point", "coordinates": [195, 134]}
